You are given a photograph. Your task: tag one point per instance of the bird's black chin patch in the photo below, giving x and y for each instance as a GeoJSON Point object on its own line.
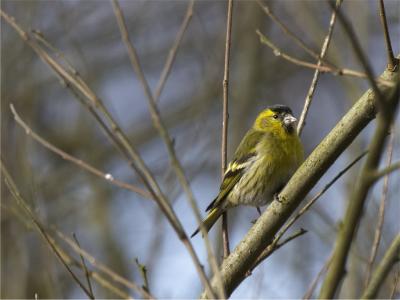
{"type": "Point", "coordinates": [289, 128]}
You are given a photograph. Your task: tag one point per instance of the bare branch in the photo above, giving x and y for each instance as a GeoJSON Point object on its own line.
{"type": "Point", "coordinates": [143, 274]}
{"type": "Point", "coordinates": [310, 94]}
{"type": "Point", "coordinates": [381, 214]}
{"type": "Point", "coordinates": [118, 137]}
{"type": "Point", "coordinates": [21, 202]}
{"type": "Point", "coordinates": [390, 258]}
{"type": "Point", "coordinates": [158, 123]}
{"type": "Point", "coordinates": [391, 64]}
{"type": "Point", "coordinates": [358, 196]}
{"type": "Point", "coordinates": [87, 273]}
{"type": "Point", "coordinates": [288, 32]}
{"type": "Point", "coordinates": [386, 171]}
{"type": "Point", "coordinates": [173, 51]}
{"type": "Point", "coordinates": [360, 56]}
{"type": "Point", "coordinates": [100, 266]}
{"type": "Point", "coordinates": [80, 163]}
{"type": "Point", "coordinates": [314, 283]}
{"type": "Point", "coordinates": [224, 142]}
{"type": "Point", "coordinates": [396, 280]}
{"type": "Point", "coordinates": [322, 68]}
{"type": "Point", "coordinates": [273, 247]}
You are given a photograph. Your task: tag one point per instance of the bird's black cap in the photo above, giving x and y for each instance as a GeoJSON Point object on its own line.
{"type": "Point", "coordinates": [279, 108]}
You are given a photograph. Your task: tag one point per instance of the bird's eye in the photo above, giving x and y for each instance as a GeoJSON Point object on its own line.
{"type": "Point", "coordinates": [275, 116]}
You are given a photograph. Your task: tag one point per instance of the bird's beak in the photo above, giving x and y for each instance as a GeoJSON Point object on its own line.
{"type": "Point", "coordinates": [289, 122]}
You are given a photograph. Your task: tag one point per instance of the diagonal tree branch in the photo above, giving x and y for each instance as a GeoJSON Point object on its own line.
{"type": "Point", "coordinates": [262, 232]}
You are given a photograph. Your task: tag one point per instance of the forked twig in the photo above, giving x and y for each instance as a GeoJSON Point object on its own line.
{"type": "Point", "coordinates": [306, 207]}
{"type": "Point", "coordinates": [310, 94]}
{"type": "Point", "coordinates": [273, 247]}
{"type": "Point", "coordinates": [323, 68]}
{"type": "Point", "coordinates": [173, 51]}
{"type": "Point", "coordinates": [100, 266]}
{"type": "Point", "coordinates": [287, 31]}
{"type": "Point", "coordinates": [87, 273]}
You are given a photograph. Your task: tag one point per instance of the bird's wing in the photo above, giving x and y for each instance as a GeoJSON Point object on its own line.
{"type": "Point", "coordinates": [236, 168]}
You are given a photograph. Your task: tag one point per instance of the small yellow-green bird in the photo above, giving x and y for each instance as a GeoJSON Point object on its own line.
{"type": "Point", "coordinates": [265, 160]}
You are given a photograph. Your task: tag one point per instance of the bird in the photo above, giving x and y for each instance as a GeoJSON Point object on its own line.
{"type": "Point", "coordinates": [266, 158]}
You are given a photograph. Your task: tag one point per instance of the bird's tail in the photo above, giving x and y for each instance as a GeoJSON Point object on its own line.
{"type": "Point", "coordinates": [210, 220]}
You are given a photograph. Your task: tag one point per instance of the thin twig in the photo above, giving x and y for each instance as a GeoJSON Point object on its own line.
{"type": "Point", "coordinates": [310, 94]}
{"type": "Point", "coordinates": [21, 202]}
{"type": "Point", "coordinates": [273, 247]}
{"type": "Point", "coordinates": [173, 51]}
{"type": "Point", "coordinates": [80, 163]}
{"type": "Point", "coordinates": [143, 274]}
{"type": "Point", "coordinates": [389, 51]}
{"type": "Point", "coordinates": [386, 171]}
{"type": "Point", "coordinates": [306, 207]}
{"type": "Point", "coordinates": [106, 284]}
{"type": "Point", "coordinates": [323, 68]}
{"type": "Point", "coordinates": [381, 213]}
{"type": "Point", "coordinates": [287, 31]}
{"type": "Point", "coordinates": [314, 283]}
{"type": "Point", "coordinates": [100, 266]}
{"type": "Point", "coordinates": [224, 137]}
{"type": "Point", "coordinates": [158, 123]}
{"type": "Point", "coordinates": [396, 280]}
{"type": "Point", "coordinates": [87, 273]}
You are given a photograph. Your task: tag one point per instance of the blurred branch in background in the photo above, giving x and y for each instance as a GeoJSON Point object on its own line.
{"type": "Point", "coordinates": [61, 254]}
{"type": "Point", "coordinates": [22, 203]}
{"type": "Point", "coordinates": [381, 214]}
{"type": "Point", "coordinates": [122, 143]}
{"type": "Point", "coordinates": [391, 257]}
{"type": "Point", "coordinates": [159, 125]}
{"type": "Point", "coordinates": [311, 90]}
{"type": "Point", "coordinates": [80, 163]}
{"type": "Point", "coordinates": [321, 68]}
{"type": "Point", "coordinates": [387, 104]}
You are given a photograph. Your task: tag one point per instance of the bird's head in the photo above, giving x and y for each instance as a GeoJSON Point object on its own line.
{"type": "Point", "coordinates": [276, 118]}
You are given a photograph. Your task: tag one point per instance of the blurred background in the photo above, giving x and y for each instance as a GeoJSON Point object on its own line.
{"type": "Point", "coordinates": [116, 226]}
